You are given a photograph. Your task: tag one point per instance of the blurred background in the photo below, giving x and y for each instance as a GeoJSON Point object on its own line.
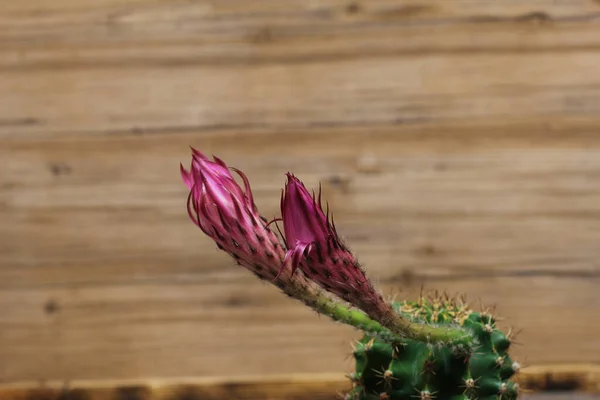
{"type": "Point", "coordinates": [457, 142]}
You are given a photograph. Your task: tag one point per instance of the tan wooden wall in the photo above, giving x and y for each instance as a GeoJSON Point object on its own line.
{"type": "Point", "coordinates": [457, 141]}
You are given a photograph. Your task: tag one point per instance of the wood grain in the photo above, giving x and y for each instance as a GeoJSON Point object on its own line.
{"type": "Point", "coordinates": [113, 82]}
{"type": "Point", "coordinates": [457, 143]}
{"type": "Point", "coordinates": [539, 383]}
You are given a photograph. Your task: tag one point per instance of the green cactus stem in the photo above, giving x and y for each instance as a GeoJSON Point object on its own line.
{"type": "Point", "coordinates": [413, 369]}
{"type": "Point", "coordinates": [405, 327]}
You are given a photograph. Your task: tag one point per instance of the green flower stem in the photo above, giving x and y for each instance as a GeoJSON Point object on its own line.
{"type": "Point", "coordinates": [454, 336]}
{"type": "Point", "coordinates": [397, 330]}
{"type": "Point", "coordinates": [393, 327]}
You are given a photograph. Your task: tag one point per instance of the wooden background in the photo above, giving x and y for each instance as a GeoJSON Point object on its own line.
{"type": "Point", "coordinates": [457, 141]}
{"type": "Point", "coordinates": [558, 383]}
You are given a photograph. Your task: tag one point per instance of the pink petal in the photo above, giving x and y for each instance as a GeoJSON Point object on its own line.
{"type": "Point", "coordinates": [303, 220]}
{"type": "Point", "coordinates": [248, 190]}
{"type": "Point", "coordinates": [294, 256]}
{"type": "Point", "coordinates": [193, 216]}
{"type": "Point", "coordinates": [219, 161]}
{"type": "Point", "coordinates": [198, 154]}
{"type": "Point", "coordinates": [187, 177]}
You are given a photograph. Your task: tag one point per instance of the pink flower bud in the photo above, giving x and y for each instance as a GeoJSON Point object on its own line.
{"type": "Point", "coordinates": [315, 247]}
{"type": "Point", "coordinates": [226, 213]}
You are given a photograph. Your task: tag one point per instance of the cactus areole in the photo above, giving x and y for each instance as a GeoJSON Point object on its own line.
{"type": "Point", "coordinates": [434, 348]}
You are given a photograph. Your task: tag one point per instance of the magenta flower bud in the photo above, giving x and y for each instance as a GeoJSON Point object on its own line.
{"type": "Point", "coordinates": [315, 248]}
{"type": "Point", "coordinates": [226, 213]}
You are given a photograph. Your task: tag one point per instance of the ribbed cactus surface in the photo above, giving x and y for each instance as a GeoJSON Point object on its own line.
{"type": "Point", "coordinates": [417, 370]}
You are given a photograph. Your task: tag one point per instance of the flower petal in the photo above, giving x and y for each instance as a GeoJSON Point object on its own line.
{"type": "Point", "coordinates": [294, 257]}
{"type": "Point", "coordinates": [187, 176]}
{"type": "Point", "coordinates": [248, 190]}
{"type": "Point", "coordinates": [303, 219]}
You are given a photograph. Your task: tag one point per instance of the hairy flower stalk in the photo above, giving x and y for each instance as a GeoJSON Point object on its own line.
{"type": "Point", "coordinates": [227, 213]}
{"type": "Point", "coordinates": [315, 248]}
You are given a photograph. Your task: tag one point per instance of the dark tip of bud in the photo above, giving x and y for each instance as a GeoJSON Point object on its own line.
{"type": "Point", "coordinates": [318, 249]}
{"type": "Point", "coordinates": [252, 249]}
{"type": "Point", "coordinates": [269, 254]}
{"type": "Point", "coordinates": [219, 246]}
{"type": "Point", "coordinates": [259, 276]}
{"type": "Point", "coordinates": [241, 228]}
{"type": "Point", "coordinates": [307, 259]}
{"type": "Point", "coordinates": [258, 267]}
{"type": "Point", "coordinates": [335, 261]}
{"type": "Point", "coordinates": [344, 294]}
{"type": "Point", "coordinates": [236, 244]}
{"type": "Point", "coordinates": [260, 238]}
{"type": "Point", "coordinates": [311, 303]}
{"type": "Point", "coordinates": [263, 219]}
{"type": "Point", "coordinates": [275, 245]}
{"type": "Point", "coordinates": [235, 256]}
{"type": "Point", "coordinates": [344, 276]}
{"type": "Point", "coordinates": [313, 271]}
{"type": "Point", "coordinates": [345, 262]}
{"type": "Point", "coordinates": [327, 274]}
{"type": "Point", "coordinates": [218, 234]}
{"type": "Point", "coordinates": [280, 285]}
{"type": "Point", "coordinates": [223, 222]}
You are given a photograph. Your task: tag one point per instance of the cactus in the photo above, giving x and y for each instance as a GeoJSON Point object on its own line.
{"type": "Point", "coordinates": [434, 348]}
{"type": "Point", "coordinates": [415, 370]}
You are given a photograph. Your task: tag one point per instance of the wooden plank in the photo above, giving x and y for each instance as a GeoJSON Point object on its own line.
{"type": "Point", "coordinates": [134, 33]}
{"type": "Point", "coordinates": [407, 198]}
{"type": "Point", "coordinates": [127, 16]}
{"type": "Point", "coordinates": [268, 8]}
{"type": "Point", "coordinates": [428, 90]}
{"type": "Point", "coordinates": [379, 91]}
{"type": "Point", "coordinates": [456, 142]}
{"type": "Point", "coordinates": [100, 262]}
{"type": "Point", "coordinates": [178, 82]}
{"type": "Point", "coordinates": [281, 45]}
{"type": "Point", "coordinates": [236, 326]}
{"type": "Point", "coordinates": [568, 378]}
